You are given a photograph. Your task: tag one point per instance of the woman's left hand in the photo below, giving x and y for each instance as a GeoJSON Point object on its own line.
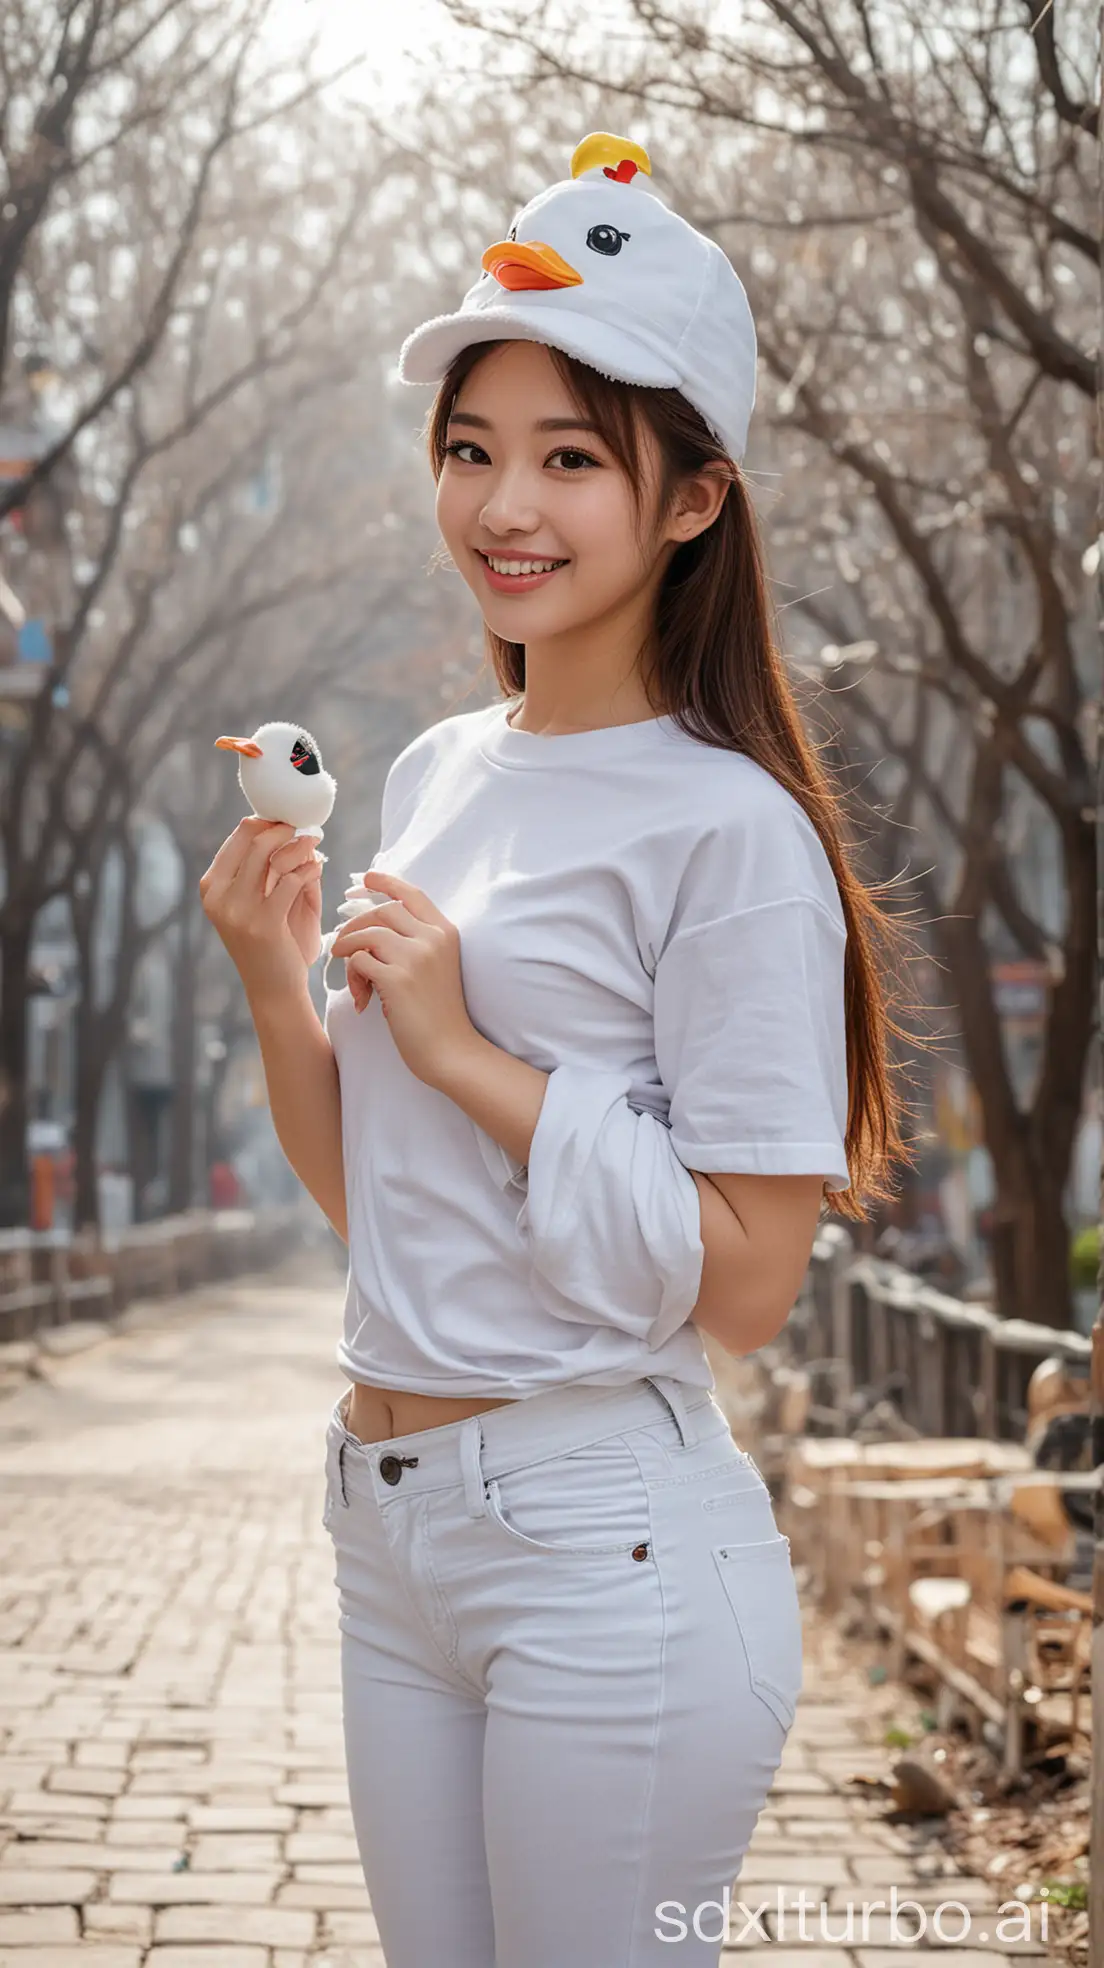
{"type": "Point", "coordinates": [410, 954]}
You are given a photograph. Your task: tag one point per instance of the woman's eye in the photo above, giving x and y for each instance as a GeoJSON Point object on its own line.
{"type": "Point", "coordinates": [584, 455]}
{"type": "Point", "coordinates": [468, 444]}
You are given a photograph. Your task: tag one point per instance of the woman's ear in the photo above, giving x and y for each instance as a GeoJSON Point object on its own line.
{"type": "Point", "coordinates": [700, 499]}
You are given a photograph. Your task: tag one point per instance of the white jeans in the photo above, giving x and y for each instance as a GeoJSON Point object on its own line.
{"type": "Point", "coordinates": [571, 1655]}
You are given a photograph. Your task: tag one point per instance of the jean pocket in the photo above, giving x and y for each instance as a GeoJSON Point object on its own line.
{"type": "Point", "coordinates": [588, 1503]}
{"type": "Point", "coordinates": [761, 1590]}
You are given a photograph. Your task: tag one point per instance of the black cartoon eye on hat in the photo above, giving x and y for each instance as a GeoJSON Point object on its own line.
{"type": "Point", "coordinates": [598, 266]}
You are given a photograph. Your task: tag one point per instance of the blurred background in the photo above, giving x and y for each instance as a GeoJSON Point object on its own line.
{"type": "Point", "coordinates": [216, 508]}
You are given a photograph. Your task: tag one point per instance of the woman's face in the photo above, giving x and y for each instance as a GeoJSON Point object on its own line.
{"type": "Point", "coordinates": [515, 490]}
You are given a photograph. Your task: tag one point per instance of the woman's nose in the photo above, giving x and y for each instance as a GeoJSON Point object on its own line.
{"type": "Point", "coordinates": [509, 507]}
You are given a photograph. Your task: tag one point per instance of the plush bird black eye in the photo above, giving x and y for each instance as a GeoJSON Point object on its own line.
{"type": "Point", "coordinates": [512, 234]}
{"type": "Point", "coordinates": [606, 239]}
{"type": "Point", "coordinates": [303, 759]}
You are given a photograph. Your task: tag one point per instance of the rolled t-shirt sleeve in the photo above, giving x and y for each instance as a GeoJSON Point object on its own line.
{"type": "Point", "coordinates": [750, 1039]}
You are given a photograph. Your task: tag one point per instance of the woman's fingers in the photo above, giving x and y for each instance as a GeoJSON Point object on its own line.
{"type": "Point", "coordinates": [288, 855]}
{"type": "Point", "coordinates": [292, 853]}
{"type": "Point", "coordinates": [312, 887]}
{"type": "Point", "coordinates": [413, 898]}
{"type": "Point", "coordinates": [287, 886]}
{"type": "Point", "coordinates": [356, 908]}
{"type": "Point", "coordinates": [230, 857]}
{"type": "Point", "coordinates": [358, 935]}
{"type": "Point", "coordinates": [250, 878]}
{"type": "Point", "coordinates": [360, 984]}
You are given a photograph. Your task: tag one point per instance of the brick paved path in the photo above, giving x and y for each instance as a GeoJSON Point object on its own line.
{"type": "Point", "coordinates": [172, 1787]}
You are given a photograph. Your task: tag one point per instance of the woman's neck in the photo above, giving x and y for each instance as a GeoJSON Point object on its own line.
{"type": "Point", "coordinates": [551, 708]}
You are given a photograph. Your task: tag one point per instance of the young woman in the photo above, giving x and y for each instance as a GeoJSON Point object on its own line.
{"type": "Point", "coordinates": [610, 1031]}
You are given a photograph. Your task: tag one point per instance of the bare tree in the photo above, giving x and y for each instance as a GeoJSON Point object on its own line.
{"type": "Point", "coordinates": [216, 338]}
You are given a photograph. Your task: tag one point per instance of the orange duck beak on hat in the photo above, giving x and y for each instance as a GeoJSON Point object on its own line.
{"type": "Point", "coordinates": [517, 265]}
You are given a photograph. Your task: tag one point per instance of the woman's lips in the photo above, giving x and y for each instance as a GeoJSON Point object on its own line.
{"type": "Point", "coordinates": [515, 583]}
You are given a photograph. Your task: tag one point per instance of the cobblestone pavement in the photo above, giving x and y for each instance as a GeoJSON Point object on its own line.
{"type": "Point", "coordinates": [172, 1788]}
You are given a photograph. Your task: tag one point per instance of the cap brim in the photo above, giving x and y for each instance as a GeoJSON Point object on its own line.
{"type": "Point", "coordinates": [426, 354]}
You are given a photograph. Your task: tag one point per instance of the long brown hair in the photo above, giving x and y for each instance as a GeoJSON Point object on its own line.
{"type": "Point", "coordinates": [720, 675]}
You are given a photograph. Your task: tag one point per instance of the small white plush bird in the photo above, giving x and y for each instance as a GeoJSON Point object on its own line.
{"type": "Point", "coordinates": [282, 778]}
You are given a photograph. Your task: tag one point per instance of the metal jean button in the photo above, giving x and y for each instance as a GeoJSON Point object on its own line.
{"type": "Point", "coordinates": [391, 1467]}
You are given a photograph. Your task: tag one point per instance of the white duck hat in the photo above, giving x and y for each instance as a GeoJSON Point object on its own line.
{"type": "Point", "coordinates": [598, 266]}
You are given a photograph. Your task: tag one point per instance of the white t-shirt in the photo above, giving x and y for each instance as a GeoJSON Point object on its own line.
{"type": "Point", "coordinates": [628, 898]}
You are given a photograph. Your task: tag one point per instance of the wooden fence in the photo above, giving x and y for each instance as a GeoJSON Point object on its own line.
{"type": "Point", "coordinates": [954, 1368]}
{"type": "Point", "coordinates": [48, 1278]}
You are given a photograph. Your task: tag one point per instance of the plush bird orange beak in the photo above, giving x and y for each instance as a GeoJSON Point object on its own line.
{"type": "Point", "coordinates": [243, 745]}
{"type": "Point", "coordinates": [517, 265]}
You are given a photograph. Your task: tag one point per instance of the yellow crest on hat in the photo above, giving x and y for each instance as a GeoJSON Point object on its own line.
{"type": "Point", "coordinates": [617, 156]}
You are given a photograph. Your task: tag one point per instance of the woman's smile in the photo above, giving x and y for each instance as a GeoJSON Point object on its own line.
{"type": "Point", "coordinates": [537, 570]}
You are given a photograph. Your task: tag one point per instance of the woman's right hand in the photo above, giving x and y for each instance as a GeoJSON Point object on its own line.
{"type": "Point", "coordinates": [272, 940]}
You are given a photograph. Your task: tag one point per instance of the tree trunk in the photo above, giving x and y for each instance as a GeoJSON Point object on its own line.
{"type": "Point", "coordinates": [15, 958]}
{"type": "Point", "coordinates": [182, 1152]}
{"type": "Point", "coordinates": [1031, 1150]}
{"type": "Point", "coordinates": [1030, 1244]}
{"type": "Point", "coordinates": [88, 1090]}
{"type": "Point", "coordinates": [90, 1065]}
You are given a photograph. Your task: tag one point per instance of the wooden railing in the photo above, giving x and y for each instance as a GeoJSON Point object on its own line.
{"type": "Point", "coordinates": [48, 1278]}
{"type": "Point", "coordinates": [953, 1368]}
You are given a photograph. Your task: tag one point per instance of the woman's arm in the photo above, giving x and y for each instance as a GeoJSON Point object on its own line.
{"type": "Point", "coordinates": [273, 937]}
{"type": "Point", "coordinates": [756, 1231]}
{"type": "Point", "coordinates": [304, 1093]}
{"type": "Point", "coordinates": [499, 1092]}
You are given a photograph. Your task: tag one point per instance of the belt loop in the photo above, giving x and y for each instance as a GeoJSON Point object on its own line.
{"type": "Point", "coordinates": [672, 1393]}
{"type": "Point", "coordinates": [471, 1442]}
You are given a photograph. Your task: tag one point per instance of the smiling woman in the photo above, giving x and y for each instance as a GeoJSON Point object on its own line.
{"type": "Point", "coordinates": [517, 495]}
{"type": "Point", "coordinates": [611, 1030]}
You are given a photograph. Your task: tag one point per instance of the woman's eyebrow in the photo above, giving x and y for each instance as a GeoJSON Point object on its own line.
{"type": "Point", "coordinates": [545, 424]}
